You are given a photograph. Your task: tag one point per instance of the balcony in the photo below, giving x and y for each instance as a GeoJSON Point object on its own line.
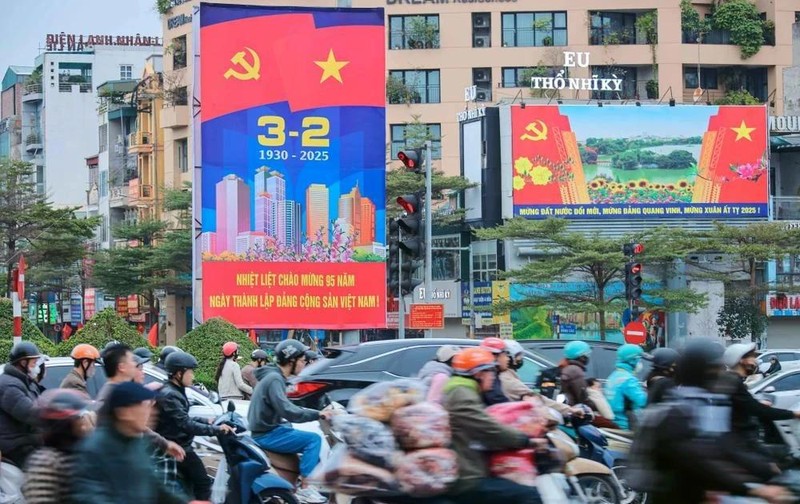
{"type": "Point", "coordinates": [175, 117]}
{"type": "Point", "coordinates": [32, 93]}
{"type": "Point", "coordinates": [140, 142]}
{"type": "Point", "coordinates": [786, 208]}
{"type": "Point", "coordinates": [33, 142]}
{"type": "Point", "coordinates": [74, 87]}
{"type": "Point", "coordinates": [118, 197]}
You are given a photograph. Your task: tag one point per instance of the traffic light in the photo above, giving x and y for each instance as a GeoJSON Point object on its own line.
{"type": "Point", "coordinates": [631, 249]}
{"type": "Point", "coordinates": [401, 271]}
{"type": "Point", "coordinates": [412, 159]}
{"type": "Point", "coordinates": [633, 281]}
{"type": "Point", "coordinates": [393, 266]}
{"type": "Point", "coordinates": [412, 243]}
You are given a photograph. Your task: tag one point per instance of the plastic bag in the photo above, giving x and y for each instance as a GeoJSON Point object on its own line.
{"type": "Point", "coordinates": [219, 490]}
{"type": "Point", "coordinates": [367, 439]}
{"type": "Point", "coordinates": [11, 480]}
{"type": "Point", "coordinates": [521, 415]}
{"type": "Point", "coordinates": [423, 425]}
{"type": "Point", "coordinates": [429, 472]}
{"type": "Point", "coordinates": [380, 400]}
{"type": "Point", "coordinates": [517, 466]}
{"type": "Point", "coordinates": [345, 474]}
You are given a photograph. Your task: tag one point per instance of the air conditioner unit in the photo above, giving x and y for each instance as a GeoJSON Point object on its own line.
{"type": "Point", "coordinates": [481, 75]}
{"type": "Point", "coordinates": [481, 41]}
{"type": "Point", "coordinates": [480, 21]}
{"type": "Point", "coordinates": [482, 96]}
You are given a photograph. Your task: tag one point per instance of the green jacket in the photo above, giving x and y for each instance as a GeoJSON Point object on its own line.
{"type": "Point", "coordinates": [471, 424]}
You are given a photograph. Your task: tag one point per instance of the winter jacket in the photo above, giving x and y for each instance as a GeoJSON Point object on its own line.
{"type": "Point", "coordinates": [625, 394]}
{"type": "Point", "coordinates": [231, 384]}
{"type": "Point", "coordinates": [249, 376]}
{"type": "Point", "coordinates": [269, 406]}
{"type": "Point", "coordinates": [749, 412]}
{"type": "Point", "coordinates": [516, 390]}
{"type": "Point", "coordinates": [174, 422]}
{"type": "Point", "coordinates": [119, 469]}
{"type": "Point", "coordinates": [471, 424]}
{"type": "Point", "coordinates": [573, 382]}
{"type": "Point", "coordinates": [48, 476]}
{"type": "Point", "coordinates": [157, 439]}
{"type": "Point", "coordinates": [75, 381]}
{"type": "Point", "coordinates": [434, 375]}
{"type": "Point", "coordinates": [17, 415]}
{"type": "Point", "coordinates": [658, 387]}
{"type": "Point", "coordinates": [496, 395]}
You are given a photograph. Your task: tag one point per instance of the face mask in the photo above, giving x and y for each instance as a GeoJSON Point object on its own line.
{"type": "Point", "coordinates": [34, 371]}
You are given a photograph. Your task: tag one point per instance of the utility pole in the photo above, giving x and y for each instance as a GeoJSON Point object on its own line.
{"type": "Point", "coordinates": [428, 226]}
{"type": "Point", "coordinates": [401, 308]}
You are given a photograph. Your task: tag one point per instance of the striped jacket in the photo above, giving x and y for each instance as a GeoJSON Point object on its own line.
{"type": "Point", "coordinates": [47, 476]}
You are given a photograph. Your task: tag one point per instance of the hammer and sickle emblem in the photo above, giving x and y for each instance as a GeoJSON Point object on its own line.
{"type": "Point", "coordinates": [538, 130]}
{"type": "Point", "coordinates": [250, 69]}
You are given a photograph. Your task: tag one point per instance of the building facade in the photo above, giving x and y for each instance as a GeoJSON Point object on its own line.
{"type": "Point", "coordinates": [13, 86]}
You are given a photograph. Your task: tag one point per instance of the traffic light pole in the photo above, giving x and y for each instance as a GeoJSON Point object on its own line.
{"type": "Point", "coordinates": [428, 226]}
{"type": "Point", "coordinates": [401, 309]}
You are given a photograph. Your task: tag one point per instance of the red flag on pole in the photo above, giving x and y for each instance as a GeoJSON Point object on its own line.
{"type": "Point", "coordinates": [152, 336]}
{"type": "Point", "coordinates": [253, 337]}
{"type": "Point", "coordinates": [66, 332]}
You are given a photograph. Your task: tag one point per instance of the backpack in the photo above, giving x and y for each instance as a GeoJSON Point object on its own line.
{"type": "Point", "coordinates": [549, 382]}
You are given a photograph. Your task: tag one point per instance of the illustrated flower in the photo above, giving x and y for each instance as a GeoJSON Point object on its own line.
{"type": "Point", "coordinates": [523, 166]}
{"type": "Point", "coordinates": [632, 184]}
{"type": "Point", "coordinates": [683, 184]}
{"type": "Point", "coordinates": [643, 183]}
{"type": "Point", "coordinates": [540, 175]}
{"type": "Point", "coordinates": [593, 184]}
{"type": "Point", "coordinates": [519, 183]}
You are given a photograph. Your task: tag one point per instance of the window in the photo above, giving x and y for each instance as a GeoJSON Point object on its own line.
{"type": "Point", "coordinates": [103, 184]}
{"type": "Point", "coordinates": [406, 136]}
{"type": "Point", "coordinates": [484, 261]}
{"type": "Point", "coordinates": [534, 29]}
{"type": "Point", "coordinates": [529, 371]}
{"type": "Point", "coordinates": [414, 32]}
{"type": "Point", "coordinates": [708, 78]}
{"type": "Point", "coordinates": [482, 29]}
{"type": "Point", "coordinates": [628, 76]}
{"type": "Point", "coordinates": [126, 72]}
{"type": "Point", "coordinates": [178, 52]}
{"type": "Point", "coordinates": [410, 361]}
{"type": "Point", "coordinates": [789, 384]}
{"type": "Point", "coordinates": [613, 28]}
{"type": "Point", "coordinates": [420, 86]}
{"type": "Point", "coordinates": [786, 356]}
{"type": "Point", "coordinates": [446, 263]}
{"type": "Point", "coordinates": [182, 155]}
{"type": "Point", "coordinates": [102, 132]}
{"type": "Point", "coordinates": [521, 76]}
{"type": "Point", "coordinates": [40, 185]}
{"type": "Point", "coordinates": [178, 96]}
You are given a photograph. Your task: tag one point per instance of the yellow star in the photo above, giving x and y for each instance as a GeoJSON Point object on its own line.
{"type": "Point", "coordinates": [743, 132]}
{"type": "Point", "coordinates": [331, 67]}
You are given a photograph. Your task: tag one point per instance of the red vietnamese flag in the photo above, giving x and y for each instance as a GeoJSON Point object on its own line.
{"type": "Point", "coordinates": [152, 335]}
{"type": "Point", "coordinates": [336, 66]}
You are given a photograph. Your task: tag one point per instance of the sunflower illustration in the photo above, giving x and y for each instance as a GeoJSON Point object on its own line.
{"type": "Point", "coordinates": [519, 183]}
{"type": "Point", "coordinates": [540, 175]}
{"type": "Point", "coordinates": [643, 183]}
{"type": "Point", "coordinates": [523, 166]}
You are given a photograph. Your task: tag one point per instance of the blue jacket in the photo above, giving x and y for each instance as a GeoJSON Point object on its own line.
{"type": "Point", "coordinates": [624, 393]}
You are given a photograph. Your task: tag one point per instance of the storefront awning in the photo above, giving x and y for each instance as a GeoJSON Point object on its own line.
{"type": "Point", "coordinates": [784, 143]}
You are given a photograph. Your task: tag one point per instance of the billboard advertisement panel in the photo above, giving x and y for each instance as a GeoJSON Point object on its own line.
{"type": "Point", "coordinates": [586, 162]}
{"type": "Point", "coordinates": [293, 166]}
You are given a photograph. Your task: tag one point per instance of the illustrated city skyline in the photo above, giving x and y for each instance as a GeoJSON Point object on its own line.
{"type": "Point", "coordinates": [281, 218]}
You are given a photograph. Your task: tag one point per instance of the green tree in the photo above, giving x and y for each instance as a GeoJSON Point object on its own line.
{"type": "Point", "coordinates": [739, 318]}
{"type": "Point", "coordinates": [598, 261]}
{"type": "Point", "coordinates": [205, 343]}
{"type": "Point", "coordinates": [104, 327]}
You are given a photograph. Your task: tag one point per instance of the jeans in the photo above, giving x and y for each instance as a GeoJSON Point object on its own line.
{"type": "Point", "coordinates": [284, 439]}
{"type": "Point", "coordinates": [195, 476]}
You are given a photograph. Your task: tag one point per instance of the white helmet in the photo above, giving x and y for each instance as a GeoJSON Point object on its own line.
{"type": "Point", "coordinates": [734, 353]}
{"type": "Point", "coordinates": [514, 348]}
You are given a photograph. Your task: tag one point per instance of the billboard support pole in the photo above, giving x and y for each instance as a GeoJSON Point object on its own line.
{"type": "Point", "coordinates": [401, 309]}
{"type": "Point", "coordinates": [428, 226]}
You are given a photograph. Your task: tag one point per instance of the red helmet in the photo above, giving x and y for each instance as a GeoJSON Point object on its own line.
{"type": "Point", "coordinates": [494, 345]}
{"type": "Point", "coordinates": [230, 348]}
{"type": "Point", "coordinates": [473, 360]}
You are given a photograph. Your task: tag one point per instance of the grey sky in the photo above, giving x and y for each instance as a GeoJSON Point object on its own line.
{"type": "Point", "coordinates": [25, 24]}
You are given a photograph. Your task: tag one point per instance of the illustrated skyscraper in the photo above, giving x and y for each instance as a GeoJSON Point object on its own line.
{"type": "Point", "coordinates": [272, 183]}
{"type": "Point", "coordinates": [366, 235]}
{"type": "Point", "coordinates": [350, 212]}
{"type": "Point", "coordinates": [317, 212]}
{"type": "Point", "coordinates": [294, 224]}
{"type": "Point", "coordinates": [233, 211]}
{"type": "Point", "coordinates": [265, 214]}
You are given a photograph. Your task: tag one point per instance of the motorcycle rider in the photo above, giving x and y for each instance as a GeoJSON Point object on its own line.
{"type": "Point", "coordinates": [144, 354]}
{"type": "Point", "coordinates": [270, 409]}
{"type": "Point", "coordinates": [258, 359]}
{"type": "Point", "coordinates": [624, 392]}
{"type": "Point", "coordinates": [18, 391]}
{"type": "Point", "coordinates": [229, 379]}
{"type": "Point", "coordinates": [680, 451]}
{"type": "Point", "coordinates": [175, 424]}
{"type": "Point", "coordinates": [435, 373]}
{"type": "Point", "coordinates": [162, 357]}
{"type": "Point", "coordinates": [498, 348]}
{"type": "Point", "coordinates": [661, 378]}
{"type": "Point", "coordinates": [84, 358]}
{"type": "Point", "coordinates": [475, 371]}
{"type": "Point", "coordinates": [573, 375]}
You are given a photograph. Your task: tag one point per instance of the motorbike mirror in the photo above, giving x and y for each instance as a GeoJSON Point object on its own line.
{"type": "Point", "coordinates": [231, 407]}
{"type": "Point", "coordinates": [213, 397]}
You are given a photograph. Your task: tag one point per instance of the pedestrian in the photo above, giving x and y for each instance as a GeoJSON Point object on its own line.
{"type": "Point", "coordinates": [573, 374]}
{"type": "Point", "coordinates": [258, 359]}
{"type": "Point", "coordinates": [84, 358]}
{"type": "Point", "coordinates": [435, 373]}
{"type": "Point", "coordinates": [661, 378]}
{"type": "Point", "coordinates": [18, 392]}
{"type": "Point", "coordinates": [230, 383]}
{"type": "Point", "coordinates": [624, 392]}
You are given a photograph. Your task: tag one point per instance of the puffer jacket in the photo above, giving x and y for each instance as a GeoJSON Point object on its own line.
{"type": "Point", "coordinates": [17, 415]}
{"type": "Point", "coordinates": [573, 382]}
{"type": "Point", "coordinates": [174, 422]}
{"type": "Point", "coordinates": [435, 374]}
{"type": "Point", "coordinates": [231, 384]}
{"type": "Point", "coordinates": [625, 394]}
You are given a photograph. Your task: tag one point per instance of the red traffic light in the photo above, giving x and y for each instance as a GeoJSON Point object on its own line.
{"type": "Point", "coordinates": [630, 249]}
{"type": "Point", "coordinates": [407, 160]}
{"type": "Point", "coordinates": [409, 203]}
{"type": "Point", "coordinates": [636, 268]}
{"type": "Point", "coordinates": [638, 248]}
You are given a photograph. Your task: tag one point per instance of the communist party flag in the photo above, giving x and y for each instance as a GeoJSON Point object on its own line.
{"type": "Point", "coordinates": [539, 154]}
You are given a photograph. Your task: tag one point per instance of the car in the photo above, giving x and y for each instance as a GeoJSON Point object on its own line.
{"type": "Point", "coordinates": [601, 363]}
{"type": "Point", "coordinates": [789, 359]}
{"type": "Point", "coordinates": [205, 406]}
{"type": "Point", "coordinates": [783, 388]}
{"type": "Point", "coordinates": [345, 370]}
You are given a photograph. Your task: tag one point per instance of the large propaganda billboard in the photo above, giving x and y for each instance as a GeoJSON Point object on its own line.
{"type": "Point", "coordinates": [586, 162]}
{"type": "Point", "coordinates": [293, 166]}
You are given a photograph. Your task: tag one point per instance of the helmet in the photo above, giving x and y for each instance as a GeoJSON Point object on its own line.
{"type": "Point", "coordinates": [446, 352]}
{"type": "Point", "coordinates": [736, 352]}
{"type": "Point", "coordinates": [23, 350]}
{"type": "Point", "coordinates": [513, 347]}
{"type": "Point", "coordinates": [162, 357]}
{"type": "Point", "coordinates": [230, 348]}
{"type": "Point", "coordinates": [110, 344]}
{"type": "Point", "coordinates": [289, 350]}
{"type": "Point", "coordinates": [471, 361]}
{"type": "Point", "coordinates": [494, 345]}
{"type": "Point", "coordinates": [179, 361]}
{"type": "Point", "coordinates": [259, 355]}
{"type": "Point", "coordinates": [663, 358]}
{"type": "Point", "coordinates": [629, 353]}
{"type": "Point", "coordinates": [311, 355]}
{"type": "Point", "coordinates": [61, 404]}
{"type": "Point", "coordinates": [577, 349]}
{"type": "Point", "coordinates": [143, 353]}
{"type": "Point", "coordinates": [704, 351]}
{"type": "Point", "coordinates": [85, 351]}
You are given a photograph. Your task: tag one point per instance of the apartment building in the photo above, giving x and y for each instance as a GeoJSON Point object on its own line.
{"type": "Point", "coordinates": [13, 85]}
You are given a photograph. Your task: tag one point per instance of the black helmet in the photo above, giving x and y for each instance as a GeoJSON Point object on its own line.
{"type": "Point", "coordinates": [162, 357]}
{"type": "Point", "coordinates": [663, 358]}
{"type": "Point", "coordinates": [23, 350]}
{"type": "Point", "coordinates": [110, 344]}
{"type": "Point", "coordinates": [700, 361]}
{"type": "Point", "coordinates": [143, 353]}
{"type": "Point", "coordinates": [311, 355]}
{"type": "Point", "coordinates": [179, 361]}
{"type": "Point", "coordinates": [289, 350]}
{"type": "Point", "coordinates": [259, 355]}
